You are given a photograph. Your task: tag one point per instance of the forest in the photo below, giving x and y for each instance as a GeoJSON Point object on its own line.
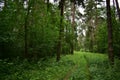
{"type": "Point", "coordinates": [59, 39]}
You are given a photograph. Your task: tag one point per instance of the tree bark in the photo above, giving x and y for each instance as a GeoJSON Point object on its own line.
{"type": "Point", "coordinates": [26, 30]}
{"type": "Point", "coordinates": [73, 26]}
{"type": "Point", "coordinates": [61, 30]}
{"type": "Point", "coordinates": [118, 9]}
{"type": "Point", "coordinates": [110, 33]}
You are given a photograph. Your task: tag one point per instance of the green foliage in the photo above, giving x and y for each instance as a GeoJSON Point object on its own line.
{"type": "Point", "coordinates": [31, 70]}
{"type": "Point", "coordinates": [95, 67]}
{"type": "Point", "coordinates": [100, 68]}
{"type": "Point", "coordinates": [11, 21]}
{"type": "Point", "coordinates": [101, 38]}
{"type": "Point", "coordinates": [42, 29]}
{"type": "Point", "coordinates": [116, 38]}
{"type": "Point", "coordinates": [92, 66]}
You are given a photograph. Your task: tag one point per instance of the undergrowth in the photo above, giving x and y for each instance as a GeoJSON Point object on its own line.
{"type": "Point", "coordinates": [89, 67]}
{"type": "Point", "coordinates": [30, 70]}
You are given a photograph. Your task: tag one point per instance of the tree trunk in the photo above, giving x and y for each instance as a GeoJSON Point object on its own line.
{"type": "Point", "coordinates": [73, 26]}
{"type": "Point", "coordinates": [61, 30]}
{"type": "Point", "coordinates": [96, 23]}
{"type": "Point", "coordinates": [26, 30]}
{"type": "Point", "coordinates": [110, 35]}
{"type": "Point", "coordinates": [118, 9]}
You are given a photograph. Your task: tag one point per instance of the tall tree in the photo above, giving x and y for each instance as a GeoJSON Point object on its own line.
{"type": "Point", "coordinates": [73, 26]}
{"type": "Point", "coordinates": [90, 19]}
{"type": "Point", "coordinates": [110, 33]}
{"type": "Point", "coordinates": [74, 4]}
{"type": "Point", "coordinates": [61, 29]}
{"type": "Point", "coordinates": [26, 27]}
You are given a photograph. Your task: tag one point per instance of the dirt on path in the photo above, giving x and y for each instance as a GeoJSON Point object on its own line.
{"type": "Point", "coordinates": [75, 67]}
{"type": "Point", "coordinates": [67, 76]}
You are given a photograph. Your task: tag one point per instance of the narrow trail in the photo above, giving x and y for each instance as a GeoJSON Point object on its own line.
{"type": "Point", "coordinates": [74, 68]}
{"type": "Point", "coordinates": [67, 76]}
{"type": "Point", "coordinates": [88, 75]}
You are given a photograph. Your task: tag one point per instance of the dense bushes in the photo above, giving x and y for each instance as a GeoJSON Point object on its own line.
{"type": "Point", "coordinates": [42, 29]}
{"type": "Point", "coordinates": [101, 38]}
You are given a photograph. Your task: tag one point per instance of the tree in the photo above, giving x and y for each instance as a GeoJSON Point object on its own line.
{"type": "Point", "coordinates": [61, 29]}
{"type": "Point", "coordinates": [74, 3]}
{"type": "Point", "coordinates": [73, 26]}
{"type": "Point", "coordinates": [26, 26]}
{"type": "Point", "coordinates": [110, 33]}
{"type": "Point", "coordinates": [91, 16]}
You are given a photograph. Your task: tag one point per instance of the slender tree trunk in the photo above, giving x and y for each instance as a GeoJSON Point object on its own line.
{"type": "Point", "coordinates": [26, 30]}
{"type": "Point", "coordinates": [118, 9]}
{"type": "Point", "coordinates": [73, 26]}
{"type": "Point", "coordinates": [96, 24]}
{"type": "Point", "coordinates": [61, 30]}
{"type": "Point", "coordinates": [110, 33]}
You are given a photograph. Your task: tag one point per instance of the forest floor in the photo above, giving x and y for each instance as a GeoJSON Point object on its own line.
{"type": "Point", "coordinates": [80, 66]}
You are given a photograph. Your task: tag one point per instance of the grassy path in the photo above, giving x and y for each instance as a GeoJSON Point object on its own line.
{"type": "Point", "coordinates": [67, 76]}
{"type": "Point", "coordinates": [89, 77]}
{"type": "Point", "coordinates": [75, 68]}
{"type": "Point", "coordinates": [81, 70]}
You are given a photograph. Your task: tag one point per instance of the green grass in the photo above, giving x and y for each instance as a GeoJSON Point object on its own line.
{"type": "Point", "coordinates": [90, 66]}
